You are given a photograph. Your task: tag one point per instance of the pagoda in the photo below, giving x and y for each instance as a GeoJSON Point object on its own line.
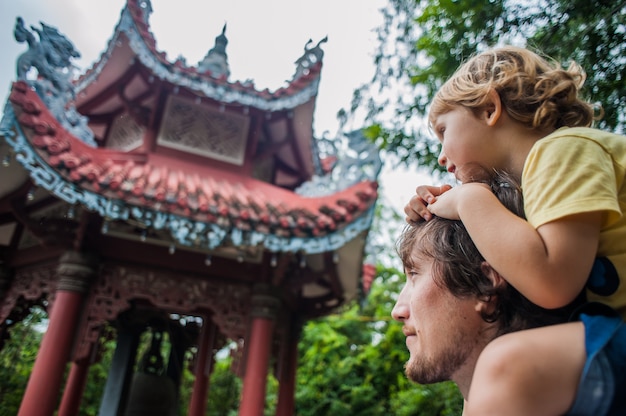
{"type": "Point", "coordinates": [151, 196]}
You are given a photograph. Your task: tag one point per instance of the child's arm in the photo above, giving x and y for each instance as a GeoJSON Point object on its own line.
{"type": "Point", "coordinates": [549, 265]}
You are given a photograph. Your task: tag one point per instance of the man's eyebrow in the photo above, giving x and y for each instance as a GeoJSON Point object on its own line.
{"type": "Point", "coordinates": [415, 260]}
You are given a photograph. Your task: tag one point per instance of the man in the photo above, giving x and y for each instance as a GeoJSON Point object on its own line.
{"type": "Point", "coordinates": [453, 303]}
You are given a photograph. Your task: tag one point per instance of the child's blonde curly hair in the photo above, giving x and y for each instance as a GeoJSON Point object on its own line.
{"type": "Point", "coordinates": [533, 91]}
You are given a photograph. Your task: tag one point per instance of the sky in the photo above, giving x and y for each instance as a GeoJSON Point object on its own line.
{"type": "Point", "coordinates": [265, 37]}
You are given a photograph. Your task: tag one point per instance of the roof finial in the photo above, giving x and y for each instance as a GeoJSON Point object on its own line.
{"type": "Point", "coordinates": [146, 7]}
{"type": "Point", "coordinates": [216, 60]}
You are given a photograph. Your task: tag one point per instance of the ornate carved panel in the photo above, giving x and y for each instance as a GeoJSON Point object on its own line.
{"type": "Point", "coordinates": [118, 285]}
{"type": "Point", "coordinates": [126, 134]}
{"type": "Point", "coordinates": [201, 130]}
{"type": "Point", "coordinates": [31, 284]}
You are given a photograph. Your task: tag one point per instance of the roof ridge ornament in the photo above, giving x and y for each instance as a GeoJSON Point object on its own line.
{"type": "Point", "coordinates": [51, 56]}
{"type": "Point", "coordinates": [216, 60]}
{"type": "Point", "coordinates": [310, 57]}
{"type": "Point", "coordinates": [358, 160]}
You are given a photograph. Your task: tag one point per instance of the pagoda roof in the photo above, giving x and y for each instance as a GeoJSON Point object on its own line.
{"type": "Point", "coordinates": [198, 204]}
{"type": "Point", "coordinates": [133, 32]}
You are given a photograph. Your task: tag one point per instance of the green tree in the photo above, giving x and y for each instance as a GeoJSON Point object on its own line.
{"type": "Point", "coordinates": [17, 359]}
{"type": "Point", "coordinates": [422, 42]}
{"type": "Point", "coordinates": [224, 390]}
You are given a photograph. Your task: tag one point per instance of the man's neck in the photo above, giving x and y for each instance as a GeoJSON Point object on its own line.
{"type": "Point", "coordinates": [464, 374]}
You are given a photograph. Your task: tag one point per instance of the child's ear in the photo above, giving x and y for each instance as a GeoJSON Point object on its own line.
{"type": "Point", "coordinates": [493, 110]}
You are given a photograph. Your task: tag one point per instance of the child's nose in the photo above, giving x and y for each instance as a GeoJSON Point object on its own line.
{"type": "Point", "coordinates": [442, 159]}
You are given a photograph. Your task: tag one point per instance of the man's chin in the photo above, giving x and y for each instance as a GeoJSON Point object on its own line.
{"type": "Point", "coordinates": [422, 372]}
{"type": "Point", "coordinates": [429, 370]}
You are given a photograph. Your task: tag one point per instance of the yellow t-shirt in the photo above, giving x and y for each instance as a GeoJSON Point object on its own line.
{"type": "Point", "coordinates": [577, 170]}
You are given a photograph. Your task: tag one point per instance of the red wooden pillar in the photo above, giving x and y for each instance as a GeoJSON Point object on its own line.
{"type": "Point", "coordinates": [42, 391]}
{"type": "Point", "coordinates": [204, 368]}
{"type": "Point", "coordinates": [258, 346]}
{"type": "Point", "coordinates": [74, 388]}
{"type": "Point", "coordinates": [287, 370]}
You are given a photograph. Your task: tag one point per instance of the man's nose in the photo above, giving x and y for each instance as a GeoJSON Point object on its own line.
{"type": "Point", "coordinates": [400, 311]}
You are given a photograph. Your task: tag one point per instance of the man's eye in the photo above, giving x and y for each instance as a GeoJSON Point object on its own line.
{"type": "Point", "coordinates": [411, 275]}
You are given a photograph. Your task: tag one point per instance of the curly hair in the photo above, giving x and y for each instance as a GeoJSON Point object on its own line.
{"type": "Point", "coordinates": [534, 91]}
{"type": "Point", "coordinates": [457, 265]}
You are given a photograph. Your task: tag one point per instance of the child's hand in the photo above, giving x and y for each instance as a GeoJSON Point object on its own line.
{"type": "Point", "coordinates": [447, 205]}
{"type": "Point", "coordinates": [416, 210]}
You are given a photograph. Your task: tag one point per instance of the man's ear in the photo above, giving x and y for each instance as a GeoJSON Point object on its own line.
{"type": "Point", "coordinates": [489, 304]}
{"type": "Point", "coordinates": [493, 111]}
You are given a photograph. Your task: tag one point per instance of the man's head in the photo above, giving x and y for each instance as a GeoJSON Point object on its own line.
{"type": "Point", "coordinates": [453, 303]}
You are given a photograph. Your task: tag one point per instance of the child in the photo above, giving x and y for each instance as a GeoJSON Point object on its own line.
{"type": "Point", "coordinates": [509, 109]}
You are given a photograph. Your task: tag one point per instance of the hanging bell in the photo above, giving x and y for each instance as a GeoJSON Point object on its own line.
{"type": "Point", "coordinates": [152, 392]}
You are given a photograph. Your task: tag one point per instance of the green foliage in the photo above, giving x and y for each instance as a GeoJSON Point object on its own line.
{"type": "Point", "coordinates": [440, 399]}
{"type": "Point", "coordinates": [98, 373]}
{"type": "Point", "coordinates": [17, 359]}
{"type": "Point", "coordinates": [422, 42]}
{"type": "Point", "coordinates": [592, 33]}
{"type": "Point", "coordinates": [224, 390]}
